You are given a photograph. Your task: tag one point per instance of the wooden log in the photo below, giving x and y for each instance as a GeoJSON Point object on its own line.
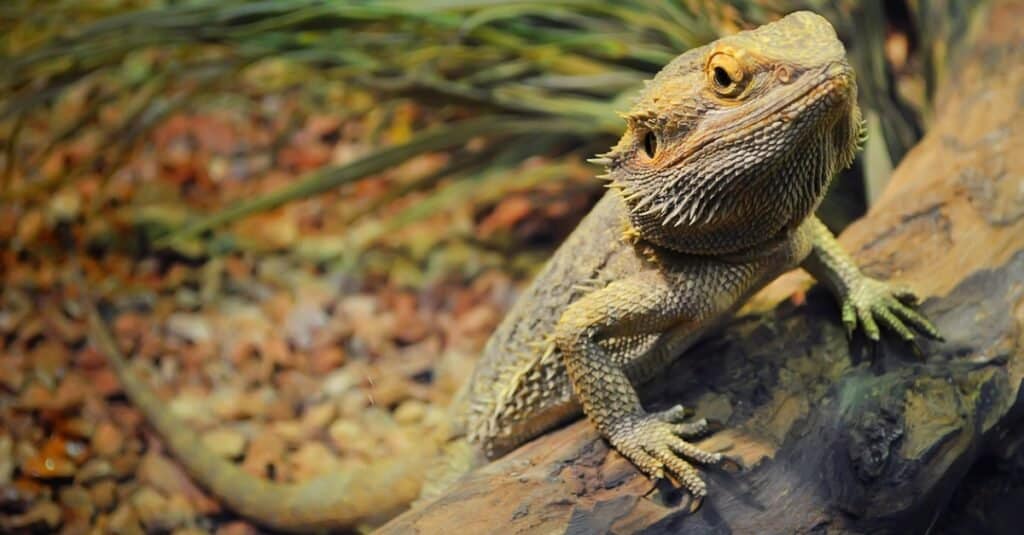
{"type": "Point", "coordinates": [836, 436]}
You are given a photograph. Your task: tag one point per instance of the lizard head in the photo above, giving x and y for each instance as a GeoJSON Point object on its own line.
{"type": "Point", "coordinates": [733, 144]}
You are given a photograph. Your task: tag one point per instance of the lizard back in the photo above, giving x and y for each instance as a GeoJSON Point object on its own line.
{"type": "Point", "coordinates": [519, 388]}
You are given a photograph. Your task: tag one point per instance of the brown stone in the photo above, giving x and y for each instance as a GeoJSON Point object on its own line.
{"type": "Point", "coordinates": [107, 440]}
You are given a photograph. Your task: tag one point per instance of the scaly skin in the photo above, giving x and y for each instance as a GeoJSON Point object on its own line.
{"type": "Point", "coordinates": [727, 153]}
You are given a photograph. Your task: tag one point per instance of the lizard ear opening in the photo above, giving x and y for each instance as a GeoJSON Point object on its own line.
{"type": "Point", "coordinates": [650, 144]}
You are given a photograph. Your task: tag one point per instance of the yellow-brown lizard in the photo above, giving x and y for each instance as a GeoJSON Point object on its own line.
{"type": "Point", "coordinates": [713, 186]}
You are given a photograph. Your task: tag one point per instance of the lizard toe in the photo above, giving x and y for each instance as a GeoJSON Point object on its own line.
{"type": "Point", "coordinates": [684, 474]}
{"type": "Point", "coordinates": [692, 429]}
{"type": "Point", "coordinates": [674, 414]}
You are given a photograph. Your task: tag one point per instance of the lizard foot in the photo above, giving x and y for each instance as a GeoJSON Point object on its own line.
{"type": "Point", "coordinates": [872, 302]}
{"type": "Point", "coordinates": [652, 442]}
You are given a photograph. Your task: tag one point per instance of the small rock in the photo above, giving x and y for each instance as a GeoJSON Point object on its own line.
{"type": "Point", "coordinates": [42, 516]}
{"type": "Point", "coordinates": [303, 322]}
{"type": "Point", "coordinates": [312, 459]}
{"type": "Point", "coordinates": [107, 440]}
{"type": "Point", "coordinates": [378, 420]}
{"type": "Point", "coordinates": [78, 427]}
{"type": "Point", "coordinates": [65, 205]}
{"type": "Point", "coordinates": [350, 438]}
{"type": "Point", "coordinates": [78, 501]}
{"type": "Point", "coordinates": [11, 375]}
{"type": "Point", "coordinates": [76, 450]}
{"type": "Point", "coordinates": [275, 349]}
{"type": "Point", "coordinates": [316, 417]}
{"type": "Point", "coordinates": [127, 417]}
{"type": "Point", "coordinates": [340, 381]}
{"type": "Point", "coordinates": [228, 403]}
{"type": "Point", "coordinates": [291, 431]}
{"type": "Point", "coordinates": [187, 299]}
{"type": "Point", "coordinates": [225, 442]}
{"type": "Point", "coordinates": [191, 327]}
{"type": "Point", "coordinates": [189, 531]}
{"type": "Point", "coordinates": [192, 407]}
{"type": "Point", "coordinates": [35, 396]}
{"type": "Point", "coordinates": [76, 525]}
{"type": "Point", "coordinates": [125, 464]}
{"type": "Point", "coordinates": [264, 454]}
{"type": "Point", "coordinates": [45, 466]}
{"type": "Point", "coordinates": [293, 384]}
{"type": "Point", "coordinates": [161, 514]}
{"type": "Point", "coordinates": [410, 412]}
{"type": "Point", "coordinates": [326, 359]}
{"type": "Point", "coordinates": [49, 360]}
{"type": "Point", "coordinates": [70, 393]}
{"type": "Point", "coordinates": [389, 390]}
{"type": "Point", "coordinates": [30, 225]}
{"type": "Point", "coordinates": [6, 460]}
{"type": "Point", "coordinates": [237, 528]}
{"type": "Point", "coordinates": [149, 506]}
{"type": "Point", "coordinates": [353, 403]}
{"type": "Point", "coordinates": [104, 381]}
{"type": "Point", "coordinates": [436, 418]}
{"type": "Point", "coordinates": [17, 496]}
{"type": "Point", "coordinates": [124, 521]}
{"type": "Point", "coordinates": [259, 402]}
{"type": "Point", "coordinates": [104, 494]}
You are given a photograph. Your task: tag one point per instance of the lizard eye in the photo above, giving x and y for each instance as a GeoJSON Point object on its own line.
{"type": "Point", "coordinates": [727, 76]}
{"type": "Point", "coordinates": [722, 78]}
{"type": "Point", "coordinates": [650, 144]}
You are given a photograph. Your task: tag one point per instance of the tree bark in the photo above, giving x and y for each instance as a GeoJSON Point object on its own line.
{"type": "Point", "coordinates": [835, 436]}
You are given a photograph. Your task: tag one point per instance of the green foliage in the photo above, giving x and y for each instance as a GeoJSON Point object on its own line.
{"type": "Point", "coordinates": [497, 72]}
{"type": "Point", "coordinates": [511, 70]}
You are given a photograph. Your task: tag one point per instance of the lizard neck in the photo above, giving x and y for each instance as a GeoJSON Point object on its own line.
{"type": "Point", "coordinates": [763, 249]}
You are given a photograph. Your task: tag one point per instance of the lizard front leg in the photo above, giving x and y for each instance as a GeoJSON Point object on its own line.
{"type": "Point", "coordinates": [649, 303]}
{"type": "Point", "coordinates": [865, 301]}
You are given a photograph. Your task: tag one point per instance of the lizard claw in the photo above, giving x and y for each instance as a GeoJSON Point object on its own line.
{"type": "Point", "coordinates": [677, 414]}
{"type": "Point", "coordinates": [872, 303]}
{"type": "Point", "coordinates": [674, 414]}
{"type": "Point", "coordinates": [695, 503]}
{"type": "Point", "coordinates": [657, 449]}
{"type": "Point", "coordinates": [731, 464]}
{"type": "Point", "coordinates": [713, 425]}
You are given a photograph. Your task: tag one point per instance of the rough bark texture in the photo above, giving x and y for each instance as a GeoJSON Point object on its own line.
{"type": "Point", "coordinates": [835, 436]}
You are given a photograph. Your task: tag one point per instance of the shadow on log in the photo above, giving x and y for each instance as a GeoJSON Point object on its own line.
{"type": "Point", "coordinates": [835, 436]}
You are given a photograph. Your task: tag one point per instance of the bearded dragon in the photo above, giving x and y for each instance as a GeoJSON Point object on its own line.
{"type": "Point", "coordinates": [712, 191]}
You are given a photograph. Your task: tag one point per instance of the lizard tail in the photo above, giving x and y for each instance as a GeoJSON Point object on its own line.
{"type": "Point", "coordinates": [333, 501]}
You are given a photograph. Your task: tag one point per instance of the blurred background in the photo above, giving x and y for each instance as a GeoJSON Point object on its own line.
{"type": "Point", "coordinates": [308, 216]}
